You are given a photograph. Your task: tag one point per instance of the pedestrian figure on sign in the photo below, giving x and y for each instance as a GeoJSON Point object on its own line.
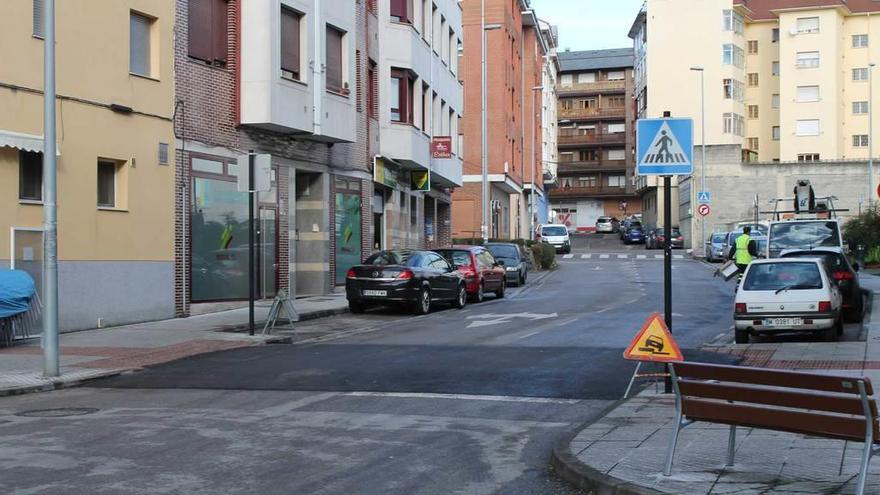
{"type": "Point", "coordinates": [663, 143]}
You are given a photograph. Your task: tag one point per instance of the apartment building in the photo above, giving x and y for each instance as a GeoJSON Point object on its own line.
{"type": "Point", "coordinates": [595, 115]}
{"type": "Point", "coordinates": [517, 52]}
{"type": "Point", "coordinates": [549, 125]}
{"type": "Point", "coordinates": [115, 155]}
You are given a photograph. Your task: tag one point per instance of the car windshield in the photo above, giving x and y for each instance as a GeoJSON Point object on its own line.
{"type": "Point", "coordinates": [389, 258]}
{"type": "Point", "coordinates": [603, 220]}
{"type": "Point", "coordinates": [833, 261]}
{"type": "Point", "coordinates": [553, 231]}
{"type": "Point", "coordinates": [456, 256]}
{"type": "Point", "coordinates": [635, 226]}
{"type": "Point", "coordinates": [781, 276]}
{"type": "Point", "coordinates": [807, 235]}
{"type": "Point", "coordinates": [501, 251]}
{"type": "Point", "coordinates": [717, 238]}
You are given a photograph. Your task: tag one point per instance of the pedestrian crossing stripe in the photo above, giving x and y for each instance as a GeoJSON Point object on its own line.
{"type": "Point", "coordinates": [608, 256]}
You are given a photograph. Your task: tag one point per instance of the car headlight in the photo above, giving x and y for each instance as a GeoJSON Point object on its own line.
{"type": "Point", "coordinates": [511, 268]}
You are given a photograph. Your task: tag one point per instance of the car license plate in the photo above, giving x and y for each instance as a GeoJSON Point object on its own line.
{"type": "Point", "coordinates": [376, 293]}
{"type": "Point", "coordinates": [783, 322]}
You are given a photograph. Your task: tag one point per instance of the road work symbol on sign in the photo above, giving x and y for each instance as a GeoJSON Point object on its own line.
{"type": "Point", "coordinates": [654, 342]}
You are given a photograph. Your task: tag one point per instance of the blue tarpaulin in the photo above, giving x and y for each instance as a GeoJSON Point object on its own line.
{"type": "Point", "coordinates": [16, 291]}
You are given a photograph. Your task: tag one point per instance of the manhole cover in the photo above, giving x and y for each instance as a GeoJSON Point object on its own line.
{"type": "Point", "coordinates": [62, 412]}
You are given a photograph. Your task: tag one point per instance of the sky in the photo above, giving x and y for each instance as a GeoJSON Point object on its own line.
{"type": "Point", "coordinates": [590, 24]}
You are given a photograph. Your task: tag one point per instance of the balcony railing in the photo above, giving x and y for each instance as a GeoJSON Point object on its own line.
{"type": "Point", "coordinates": [593, 87]}
{"type": "Point", "coordinates": [572, 191]}
{"type": "Point", "coordinates": [581, 113]}
{"type": "Point", "coordinates": [593, 138]}
{"type": "Point", "coordinates": [591, 165]}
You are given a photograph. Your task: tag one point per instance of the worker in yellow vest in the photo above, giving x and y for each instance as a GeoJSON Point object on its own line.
{"type": "Point", "coordinates": [744, 250]}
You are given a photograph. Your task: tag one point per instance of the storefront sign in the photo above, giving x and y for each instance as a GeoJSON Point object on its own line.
{"type": "Point", "coordinates": [386, 173]}
{"type": "Point", "coordinates": [420, 181]}
{"type": "Point", "coordinates": [441, 147]}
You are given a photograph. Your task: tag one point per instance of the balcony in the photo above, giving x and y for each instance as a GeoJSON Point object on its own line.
{"type": "Point", "coordinates": [592, 139]}
{"type": "Point", "coordinates": [591, 113]}
{"type": "Point", "coordinates": [592, 166]}
{"type": "Point", "coordinates": [592, 88]}
{"type": "Point", "coordinates": [597, 191]}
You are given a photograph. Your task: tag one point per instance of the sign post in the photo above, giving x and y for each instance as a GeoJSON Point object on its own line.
{"type": "Point", "coordinates": [665, 147]}
{"type": "Point", "coordinates": [254, 174]}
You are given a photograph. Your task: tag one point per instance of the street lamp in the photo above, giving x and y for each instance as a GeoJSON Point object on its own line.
{"type": "Point", "coordinates": [484, 228]}
{"type": "Point", "coordinates": [537, 90]}
{"type": "Point", "coordinates": [702, 72]}
{"type": "Point", "coordinates": [870, 134]}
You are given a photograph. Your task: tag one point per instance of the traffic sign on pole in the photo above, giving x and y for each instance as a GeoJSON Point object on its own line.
{"type": "Point", "coordinates": [704, 210]}
{"type": "Point", "coordinates": [665, 146]}
{"type": "Point", "coordinates": [704, 197]}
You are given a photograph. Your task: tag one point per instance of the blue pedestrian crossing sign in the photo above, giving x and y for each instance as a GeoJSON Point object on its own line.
{"type": "Point", "coordinates": [665, 146]}
{"type": "Point", "coordinates": [704, 198]}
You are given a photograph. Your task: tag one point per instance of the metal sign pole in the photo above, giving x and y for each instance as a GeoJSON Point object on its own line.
{"type": "Point", "coordinates": [251, 267]}
{"type": "Point", "coordinates": [667, 262]}
{"type": "Point", "coordinates": [51, 365]}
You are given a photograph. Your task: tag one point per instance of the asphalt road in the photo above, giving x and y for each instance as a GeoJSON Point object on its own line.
{"type": "Point", "coordinates": [457, 401]}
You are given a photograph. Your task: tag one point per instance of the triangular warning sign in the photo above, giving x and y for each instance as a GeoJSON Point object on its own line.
{"type": "Point", "coordinates": [665, 149]}
{"type": "Point", "coordinates": [654, 342]}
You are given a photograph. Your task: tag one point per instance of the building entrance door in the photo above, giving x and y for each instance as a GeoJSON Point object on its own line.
{"type": "Point", "coordinates": [267, 253]}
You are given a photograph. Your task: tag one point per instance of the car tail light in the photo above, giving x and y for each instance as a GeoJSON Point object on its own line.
{"type": "Point", "coordinates": [468, 272]}
{"type": "Point", "coordinates": [824, 306]}
{"type": "Point", "coordinates": [661, 238]}
{"type": "Point", "coordinates": [740, 307]}
{"type": "Point", "coordinates": [405, 275]}
{"type": "Point", "coordinates": [842, 275]}
{"type": "Point", "coordinates": [350, 273]}
{"type": "Point", "coordinates": [679, 238]}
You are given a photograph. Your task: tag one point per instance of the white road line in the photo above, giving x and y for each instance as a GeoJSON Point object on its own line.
{"type": "Point", "coordinates": [604, 256]}
{"type": "Point", "coordinates": [528, 335]}
{"type": "Point", "coordinates": [568, 256]}
{"type": "Point", "coordinates": [678, 256]}
{"type": "Point", "coordinates": [640, 256]}
{"type": "Point", "coordinates": [494, 398]}
{"type": "Point", "coordinates": [622, 256]}
{"type": "Point", "coordinates": [586, 256]}
{"type": "Point", "coordinates": [658, 256]}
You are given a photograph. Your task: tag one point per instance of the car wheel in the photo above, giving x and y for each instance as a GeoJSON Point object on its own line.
{"type": "Point", "coordinates": [500, 292]}
{"type": "Point", "coordinates": [478, 296]}
{"type": "Point", "coordinates": [423, 302]}
{"type": "Point", "coordinates": [741, 336]}
{"type": "Point", "coordinates": [854, 314]}
{"type": "Point", "coordinates": [356, 307]}
{"type": "Point", "coordinates": [461, 300]}
{"type": "Point", "coordinates": [838, 328]}
{"type": "Point", "coordinates": [830, 334]}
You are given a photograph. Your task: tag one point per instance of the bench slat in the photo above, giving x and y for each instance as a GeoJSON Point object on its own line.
{"type": "Point", "coordinates": [778, 378]}
{"type": "Point", "coordinates": [785, 398]}
{"type": "Point", "coordinates": [815, 424]}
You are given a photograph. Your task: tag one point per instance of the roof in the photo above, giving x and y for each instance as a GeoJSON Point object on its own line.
{"type": "Point", "coordinates": [764, 9]}
{"type": "Point", "coordinates": [613, 58]}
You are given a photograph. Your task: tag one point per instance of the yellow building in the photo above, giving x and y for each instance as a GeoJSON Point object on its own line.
{"type": "Point", "coordinates": [115, 155]}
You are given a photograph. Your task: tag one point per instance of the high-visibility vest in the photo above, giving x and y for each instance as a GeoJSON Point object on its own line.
{"type": "Point", "coordinates": [743, 257]}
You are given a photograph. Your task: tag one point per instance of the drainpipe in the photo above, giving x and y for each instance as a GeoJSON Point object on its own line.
{"type": "Point", "coordinates": [317, 70]}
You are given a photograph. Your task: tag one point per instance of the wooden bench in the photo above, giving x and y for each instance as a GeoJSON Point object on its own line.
{"type": "Point", "coordinates": [839, 407]}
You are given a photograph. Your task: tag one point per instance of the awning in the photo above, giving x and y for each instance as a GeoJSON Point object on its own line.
{"type": "Point", "coordinates": [24, 142]}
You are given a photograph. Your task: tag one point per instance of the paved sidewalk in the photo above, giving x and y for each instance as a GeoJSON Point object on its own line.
{"type": "Point", "coordinates": [102, 352]}
{"type": "Point", "coordinates": [623, 451]}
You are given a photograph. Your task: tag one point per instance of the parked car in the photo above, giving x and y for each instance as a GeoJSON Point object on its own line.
{"type": "Point", "coordinates": [607, 225]}
{"type": "Point", "coordinates": [512, 259]}
{"type": "Point", "coordinates": [715, 247]}
{"type": "Point", "coordinates": [621, 230]}
{"type": "Point", "coordinates": [482, 272]}
{"type": "Point", "coordinates": [843, 272]}
{"type": "Point", "coordinates": [557, 236]}
{"type": "Point", "coordinates": [634, 234]}
{"type": "Point", "coordinates": [785, 295]}
{"type": "Point", "coordinates": [413, 278]}
{"type": "Point", "coordinates": [730, 243]}
{"type": "Point", "coordinates": [657, 237]}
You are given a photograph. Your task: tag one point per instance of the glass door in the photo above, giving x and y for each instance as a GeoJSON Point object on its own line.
{"type": "Point", "coordinates": [267, 263]}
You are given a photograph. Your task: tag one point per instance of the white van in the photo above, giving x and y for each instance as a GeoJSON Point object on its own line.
{"type": "Point", "coordinates": [556, 234]}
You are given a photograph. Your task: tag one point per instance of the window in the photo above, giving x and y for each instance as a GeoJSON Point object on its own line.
{"type": "Point", "coordinates": [290, 44]}
{"type": "Point", "coordinates": [807, 60]}
{"type": "Point", "coordinates": [586, 77]}
{"type": "Point", "coordinates": [207, 30]}
{"type": "Point", "coordinates": [616, 75]}
{"type": "Point", "coordinates": [860, 140]}
{"type": "Point", "coordinates": [588, 155]}
{"type": "Point", "coordinates": [860, 74]}
{"type": "Point", "coordinates": [588, 181]}
{"type": "Point", "coordinates": [774, 68]}
{"type": "Point", "coordinates": [808, 157]}
{"type": "Point", "coordinates": [807, 93]}
{"type": "Point", "coordinates": [733, 89]}
{"type": "Point", "coordinates": [617, 154]}
{"type": "Point", "coordinates": [774, 36]}
{"type": "Point", "coordinates": [860, 107]}
{"type": "Point", "coordinates": [38, 18]}
{"type": "Point", "coordinates": [808, 127]}
{"type": "Point", "coordinates": [426, 21]}
{"type": "Point", "coordinates": [753, 79]}
{"type": "Point", "coordinates": [401, 96]}
{"type": "Point", "coordinates": [616, 102]}
{"type": "Point", "coordinates": [333, 61]}
{"type": "Point", "coordinates": [774, 101]}
{"type": "Point", "coordinates": [30, 176]}
{"type": "Point", "coordinates": [401, 11]}
{"type": "Point", "coordinates": [733, 55]}
{"type": "Point", "coordinates": [775, 133]}
{"type": "Point", "coordinates": [139, 45]}
{"type": "Point", "coordinates": [587, 103]}
{"type": "Point", "coordinates": [753, 143]}
{"type": "Point", "coordinates": [107, 183]}
{"type": "Point", "coordinates": [616, 181]}
{"type": "Point", "coordinates": [616, 128]}
{"type": "Point", "coordinates": [753, 46]}
{"type": "Point", "coordinates": [372, 91]}
{"type": "Point", "coordinates": [566, 79]}
{"type": "Point", "coordinates": [426, 102]}
{"type": "Point", "coordinates": [860, 41]}
{"type": "Point", "coordinates": [808, 25]}
{"type": "Point", "coordinates": [733, 21]}
{"type": "Point", "coordinates": [753, 111]}
{"type": "Point", "coordinates": [733, 124]}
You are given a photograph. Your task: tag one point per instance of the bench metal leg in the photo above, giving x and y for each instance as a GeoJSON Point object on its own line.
{"type": "Point", "coordinates": [731, 445]}
{"type": "Point", "coordinates": [667, 471]}
{"type": "Point", "coordinates": [869, 449]}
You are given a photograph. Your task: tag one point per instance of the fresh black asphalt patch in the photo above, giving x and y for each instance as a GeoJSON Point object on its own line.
{"type": "Point", "coordinates": [551, 372]}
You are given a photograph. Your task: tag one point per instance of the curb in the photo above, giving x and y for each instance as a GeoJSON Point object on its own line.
{"type": "Point", "coordinates": [60, 384]}
{"type": "Point", "coordinates": [312, 315]}
{"type": "Point", "coordinates": [586, 478]}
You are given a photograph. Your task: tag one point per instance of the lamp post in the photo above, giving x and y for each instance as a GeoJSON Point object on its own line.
{"type": "Point", "coordinates": [50, 221]}
{"type": "Point", "coordinates": [870, 134]}
{"type": "Point", "coordinates": [537, 90]}
{"type": "Point", "coordinates": [702, 149]}
{"type": "Point", "coordinates": [484, 190]}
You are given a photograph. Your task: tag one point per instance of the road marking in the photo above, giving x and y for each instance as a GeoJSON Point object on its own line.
{"type": "Point", "coordinates": [678, 256]}
{"type": "Point", "coordinates": [495, 319]}
{"type": "Point", "coordinates": [604, 256]}
{"type": "Point", "coordinates": [622, 256]}
{"type": "Point", "coordinates": [528, 335]}
{"type": "Point", "coordinates": [640, 256]}
{"type": "Point", "coordinates": [568, 256]}
{"type": "Point", "coordinates": [658, 256]}
{"type": "Point", "coordinates": [493, 398]}
{"type": "Point", "coordinates": [586, 256]}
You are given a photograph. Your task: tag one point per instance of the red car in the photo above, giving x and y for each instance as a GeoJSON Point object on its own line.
{"type": "Point", "coordinates": [482, 273]}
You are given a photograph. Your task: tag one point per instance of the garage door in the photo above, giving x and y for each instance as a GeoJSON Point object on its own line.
{"type": "Point", "coordinates": [588, 211]}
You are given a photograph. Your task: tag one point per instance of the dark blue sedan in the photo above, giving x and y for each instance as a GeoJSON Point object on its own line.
{"type": "Point", "coordinates": [634, 234]}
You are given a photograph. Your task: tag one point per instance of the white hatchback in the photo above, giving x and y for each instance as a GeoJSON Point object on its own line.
{"type": "Point", "coordinates": [785, 296]}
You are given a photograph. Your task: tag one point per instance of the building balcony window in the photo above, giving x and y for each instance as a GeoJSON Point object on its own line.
{"type": "Point", "coordinates": [594, 138]}
{"type": "Point", "coordinates": [586, 113]}
{"type": "Point", "coordinates": [565, 191]}
{"type": "Point", "coordinates": [592, 87]}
